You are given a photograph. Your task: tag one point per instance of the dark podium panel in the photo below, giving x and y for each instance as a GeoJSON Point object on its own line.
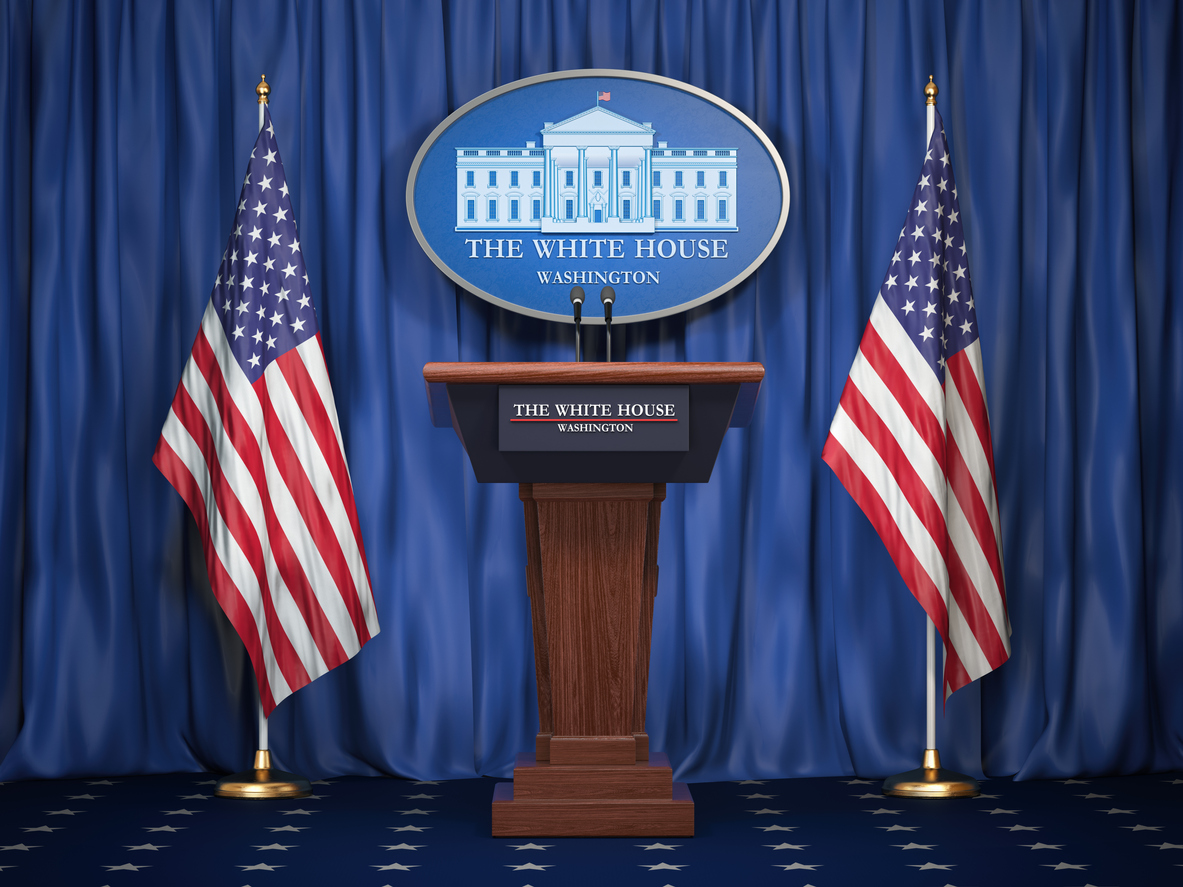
{"type": "Point", "coordinates": [592, 522]}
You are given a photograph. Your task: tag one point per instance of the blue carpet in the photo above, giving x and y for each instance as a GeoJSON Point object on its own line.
{"type": "Point", "coordinates": [170, 830]}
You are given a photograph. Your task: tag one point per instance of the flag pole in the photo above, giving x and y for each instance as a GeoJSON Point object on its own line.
{"type": "Point", "coordinates": [261, 781]}
{"type": "Point", "coordinates": [930, 780]}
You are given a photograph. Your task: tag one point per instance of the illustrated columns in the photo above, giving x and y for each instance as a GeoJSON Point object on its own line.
{"type": "Point", "coordinates": [646, 189]}
{"type": "Point", "coordinates": [548, 185]}
{"type": "Point", "coordinates": [581, 212]}
{"type": "Point", "coordinates": [613, 188]}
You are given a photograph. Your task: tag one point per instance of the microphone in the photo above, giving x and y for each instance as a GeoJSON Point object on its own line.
{"type": "Point", "coordinates": [608, 296]}
{"type": "Point", "coordinates": [577, 302]}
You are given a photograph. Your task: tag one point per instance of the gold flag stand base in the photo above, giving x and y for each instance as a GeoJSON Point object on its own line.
{"type": "Point", "coordinates": [263, 782]}
{"type": "Point", "coordinates": [931, 781]}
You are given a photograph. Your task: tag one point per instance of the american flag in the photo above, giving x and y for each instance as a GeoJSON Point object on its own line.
{"type": "Point", "coordinates": [910, 440]}
{"type": "Point", "coordinates": [253, 446]}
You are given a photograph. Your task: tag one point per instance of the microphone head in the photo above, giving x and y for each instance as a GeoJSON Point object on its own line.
{"type": "Point", "coordinates": [577, 295]}
{"type": "Point", "coordinates": [607, 295]}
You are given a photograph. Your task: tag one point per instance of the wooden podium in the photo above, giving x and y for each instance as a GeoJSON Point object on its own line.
{"type": "Point", "coordinates": [592, 520]}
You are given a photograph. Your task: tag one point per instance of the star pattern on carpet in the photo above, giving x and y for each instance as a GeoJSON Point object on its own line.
{"type": "Point", "coordinates": [720, 810]}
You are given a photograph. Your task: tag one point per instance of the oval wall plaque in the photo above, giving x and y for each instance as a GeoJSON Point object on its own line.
{"type": "Point", "coordinates": [597, 178]}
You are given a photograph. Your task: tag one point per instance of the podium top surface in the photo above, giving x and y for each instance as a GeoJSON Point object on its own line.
{"type": "Point", "coordinates": [593, 373]}
{"type": "Point", "coordinates": [465, 396]}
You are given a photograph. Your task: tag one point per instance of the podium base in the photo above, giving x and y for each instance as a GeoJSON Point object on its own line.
{"type": "Point", "coordinates": [931, 781]}
{"type": "Point", "coordinates": [592, 818]}
{"type": "Point", "coordinates": [262, 782]}
{"type": "Point", "coordinates": [548, 800]}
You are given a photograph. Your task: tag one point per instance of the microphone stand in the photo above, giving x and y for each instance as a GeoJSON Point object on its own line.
{"type": "Point", "coordinates": [577, 302]}
{"type": "Point", "coordinates": [608, 296]}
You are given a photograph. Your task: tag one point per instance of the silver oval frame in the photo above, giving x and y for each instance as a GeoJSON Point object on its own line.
{"type": "Point", "coordinates": [597, 72]}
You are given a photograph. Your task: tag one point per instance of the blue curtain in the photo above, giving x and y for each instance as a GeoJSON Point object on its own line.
{"type": "Point", "coordinates": [784, 641]}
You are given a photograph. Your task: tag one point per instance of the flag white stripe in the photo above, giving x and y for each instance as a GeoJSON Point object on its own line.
{"type": "Point", "coordinates": [310, 459]}
{"type": "Point", "coordinates": [320, 581]}
{"type": "Point", "coordinates": [314, 362]}
{"type": "Point", "coordinates": [234, 561]}
{"type": "Point", "coordinates": [312, 357]}
{"type": "Point", "coordinates": [977, 567]}
{"type": "Point", "coordinates": [966, 434]}
{"type": "Point", "coordinates": [895, 337]}
{"type": "Point", "coordinates": [883, 402]}
{"type": "Point", "coordinates": [320, 476]}
{"type": "Point", "coordinates": [242, 484]}
{"type": "Point", "coordinates": [237, 385]}
{"type": "Point", "coordinates": [962, 638]}
{"type": "Point", "coordinates": [868, 460]}
{"type": "Point", "coordinates": [287, 515]}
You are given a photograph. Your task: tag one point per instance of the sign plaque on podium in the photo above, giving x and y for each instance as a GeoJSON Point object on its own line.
{"type": "Point", "coordinates": [591, 447]}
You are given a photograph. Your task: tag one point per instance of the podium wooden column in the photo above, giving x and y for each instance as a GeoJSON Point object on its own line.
{"type": "Point", "coordinates": [592, 525]}
{"type": "Point", "coordinates": [591, 574]}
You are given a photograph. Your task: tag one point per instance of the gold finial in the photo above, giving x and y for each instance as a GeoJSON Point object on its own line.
{"type": "Point", "coordinates": [930, 92]}
{"type": "Point", "coordinates": [264, 89]}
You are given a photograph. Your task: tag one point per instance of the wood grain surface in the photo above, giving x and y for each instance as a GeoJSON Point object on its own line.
{"type": "Point", "coordinates": [591, 576]}
{"type": "Point", "coordinates": [589, 373]}
{"type": "Point", "coordinates": [545, 817]}
{"type": "Point", "coordinates": [644, 779]}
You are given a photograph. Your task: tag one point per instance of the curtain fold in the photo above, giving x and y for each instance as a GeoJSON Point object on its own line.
{"type": "Point", "coordinates": [784, 641]}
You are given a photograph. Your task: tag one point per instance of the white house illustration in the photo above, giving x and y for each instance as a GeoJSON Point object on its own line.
{"type": "Point", "coordinates": [596, 172]}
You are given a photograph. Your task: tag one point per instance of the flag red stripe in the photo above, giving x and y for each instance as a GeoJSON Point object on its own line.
{"type": "Point", "coordinates": [910, 484]}
{"type": "Point", "coordinates": [228, 595]}
{"type": "Point", "coordinates": [977, 515]}
{"type": "Point", "coordinates": [956, 676]}
{"type": "Point", "coordinates": [243, 531]}
{"type": "Point", "coordinates": [973, 610]}
{"type": "Point", "coordinates": [974, 399]}
{"type": "Point", "coordinates": [305, 393]}
{"type": "Point", "coordinates": [320, 528]}
{"type": "Point", "coordinates": [867, 498]}
{"type": "Point", "coordinates": [283, 555]}
{"type": "Point", "coordinates": [879, 356]}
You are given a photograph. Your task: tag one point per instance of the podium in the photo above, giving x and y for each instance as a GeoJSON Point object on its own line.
{"type": "Point", "coordinates": [591, 447]}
